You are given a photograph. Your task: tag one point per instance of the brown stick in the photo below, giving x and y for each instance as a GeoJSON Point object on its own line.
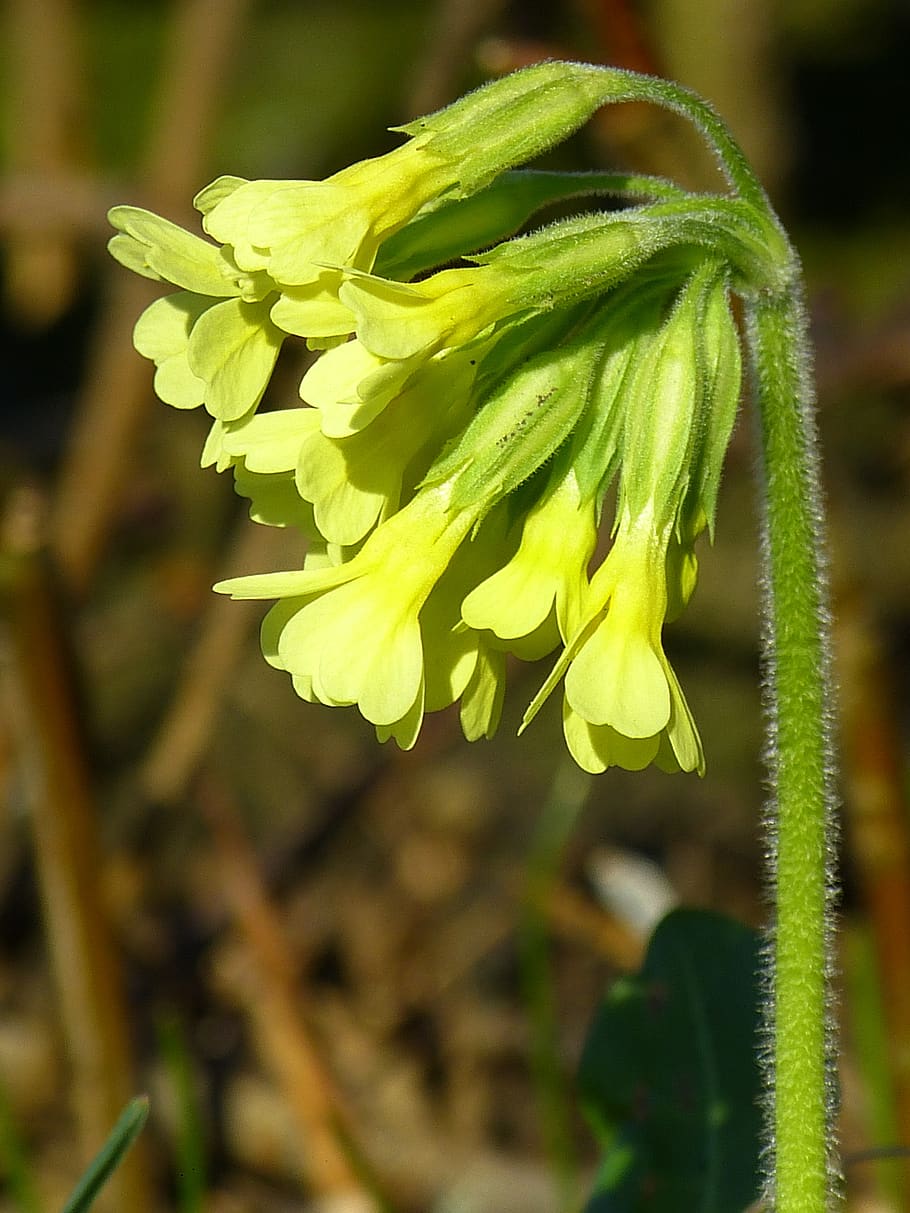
{"type": "Point", "coordinates": [877, 816]}
{"type": "Point", "coordinates": [63, 817]}
{"type": "Point", "coordinates": [180, 744]}
{"type": "Point", "coordinates": [118, 385]}
{"type": "Point", "coordinates": [45, 135]}
{"type": "Point", "coordinates": [275, 1005]}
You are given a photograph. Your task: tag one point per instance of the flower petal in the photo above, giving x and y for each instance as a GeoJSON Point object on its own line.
{"type": "Point", "coordinates": [618, 679]}
{"type": "Point", "coordinates": [233, 347]}
{"type": "Point", "coordinates": [597, 747]}
{"type": "Point", "coordinates": [271, 442]}
{"type": "Point", "coordinates": [173, 254]}
{"type": "Point", "coordinates": [162, 334]}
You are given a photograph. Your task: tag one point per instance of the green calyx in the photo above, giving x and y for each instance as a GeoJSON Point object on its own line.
{"type": "Point", "coordinates": [523, 421]}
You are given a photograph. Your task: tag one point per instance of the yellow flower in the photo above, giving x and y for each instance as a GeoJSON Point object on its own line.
{"type": "Point", "coordinates": [213, 342]}
{"type": "Point", "coordinates": [292, 229]}
{"type": "Point", "coordinates": [676, 748]}
{"type": "Point", "coordinates": [617, 675]}
{"type": "Point", "coordinates": [623, 703]}
{"type": "Point", "coordinates": [353, 632]}
{"type": "Point", "coordinates": [220, 353]}
{"type": "Point", "coordinates": [304, 233]}
{"type": "Point", "coordinates": [358, 479]}
{"type": "Point", "coordinates": [401, 321]}
{"type": "Point", "coordinates": [544, 583]}
{"type": "Point", "coordinates": [464, 428]}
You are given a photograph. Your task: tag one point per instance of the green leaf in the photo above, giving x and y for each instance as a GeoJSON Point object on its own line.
{"type": "Point", "coordinates": [106, 1161]}
{"type": "Point", "coordinates": [189, 1143]}
{"type": "Point", "coordinates": [670, 1078]}
{"type": "Point", "coordinates": [722, 373]}
{"type": "Point", "coordinates": [18, 1174]}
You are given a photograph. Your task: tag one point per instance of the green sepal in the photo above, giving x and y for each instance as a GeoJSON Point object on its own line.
{"type": "Point", "coordinates": [515, 342]}
{"type": "Point", "coordinates": [519, 426]}
{"type": "Point", "coordinates": [719, 350]}
{"type": "Point", "coordinates": [510, 120]}
{"type": "Point", "coordinates": [629, 320]}
{"type": "Point", "coordinates": [662, 409]}
{"type": "Point", "coordinates": [576, 258]}
{"type": "Point", "coordinates": [726, 227]}
{"type": "Point", "coordinates": [443, 233]}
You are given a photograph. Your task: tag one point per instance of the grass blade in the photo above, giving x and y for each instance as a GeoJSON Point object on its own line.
{"type": "Point", "coordinates": [122, 1136]}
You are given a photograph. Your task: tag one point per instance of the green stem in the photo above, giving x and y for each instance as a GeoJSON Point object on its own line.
{"type": "Point", "coordinates": [630, 86]}
{"type": "Point", "coordinates": [803, 1176]}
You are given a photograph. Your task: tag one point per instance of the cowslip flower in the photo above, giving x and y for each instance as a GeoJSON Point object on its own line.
{"type": "Point", "coordinates": [406, 322]}
{"type": "Point", "coordinates": [623, 704]}
{"type": "Point", "coordinates": [283, 247]}
{"type": "Point", "coordinates": [463, 424]}
{"type": "Point", "coordinates": [350, 633]}
{"type": "Point", "coordinates": [536, 596]}
{"type": "Point", "coordinates": [213, 341]}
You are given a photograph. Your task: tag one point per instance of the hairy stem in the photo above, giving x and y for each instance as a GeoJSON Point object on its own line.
{"type": "Point", "coordinates": [802, 1174]}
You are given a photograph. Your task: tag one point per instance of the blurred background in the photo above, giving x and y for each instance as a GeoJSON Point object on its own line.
{"type": "Point", "coordinates": [347, 975]}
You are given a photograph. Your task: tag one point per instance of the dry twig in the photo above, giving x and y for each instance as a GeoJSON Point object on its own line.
{"type": "Point", "coordinates": [45, 137]}
{"type": "Point", "coordinates": [275, 1005]}
{"type": "Point", "coordinates": [117, 386]}
{"type": "Point", "coordinates": [50, 757]}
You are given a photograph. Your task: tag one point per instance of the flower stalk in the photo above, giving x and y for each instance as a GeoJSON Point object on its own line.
{"type": "Point", "coordinates": [803, 1176]}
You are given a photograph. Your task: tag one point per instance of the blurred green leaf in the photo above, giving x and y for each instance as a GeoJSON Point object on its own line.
{"type": "Point", "coordinates": [17, 1174]}
{"type": "Point", "coordinates": [190, 1139]}
{"type": "Point", "coordinates": [669, 1075]}
{"type": "Point", "coordinates": [105, 1162]}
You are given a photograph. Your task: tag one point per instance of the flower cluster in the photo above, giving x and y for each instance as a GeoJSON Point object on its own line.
{"type": "Point", "coordinates": [467, 420]}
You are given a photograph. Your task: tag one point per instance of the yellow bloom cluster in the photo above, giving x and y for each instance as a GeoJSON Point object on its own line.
{"type": "Point", "coordinates": [461, 429]}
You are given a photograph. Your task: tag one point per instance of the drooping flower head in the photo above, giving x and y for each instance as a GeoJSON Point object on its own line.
{"type": "Point", "coordinates": [476, 404]}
